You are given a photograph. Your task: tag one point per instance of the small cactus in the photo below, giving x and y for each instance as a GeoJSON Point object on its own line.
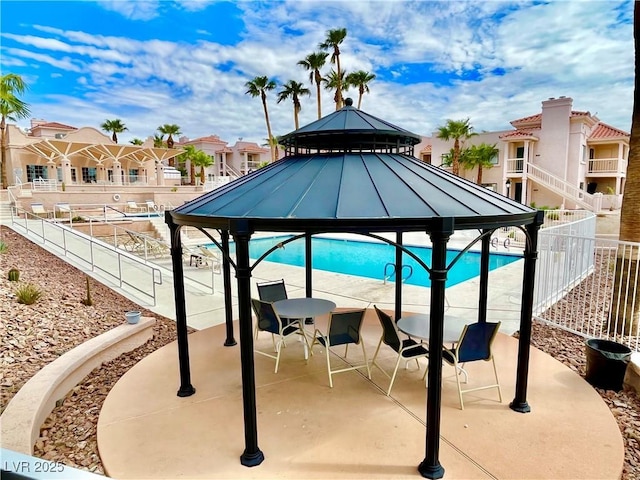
{"type": "Point", "coordinates": [87, 301]}
{"type": "Point", "coordinates": [14, 275]}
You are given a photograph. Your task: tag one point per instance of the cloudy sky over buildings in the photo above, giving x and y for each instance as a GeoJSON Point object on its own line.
{"type": "Point", "coordinates": [186, 62]}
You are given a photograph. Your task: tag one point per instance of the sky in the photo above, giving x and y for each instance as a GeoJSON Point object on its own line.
{"type": "Point", "coordinates": [186, 62]}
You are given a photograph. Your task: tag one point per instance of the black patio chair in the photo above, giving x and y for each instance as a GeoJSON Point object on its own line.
{"type": "Point", "coordinates": [343, 329]}
{"type": "Point", "coordinates": [277, 290]}
{"type": "Point", "coordinates": [474, 344]}
{"type": "Point", "coordinates": [267, 320]}
{"type": "Point", "coordinates": [407, 349]}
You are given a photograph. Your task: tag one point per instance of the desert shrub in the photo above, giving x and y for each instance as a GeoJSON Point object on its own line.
{"type": "Point", "coordinates": [3, 247]}
{"type": "Point", "coordinates": [28, 294]}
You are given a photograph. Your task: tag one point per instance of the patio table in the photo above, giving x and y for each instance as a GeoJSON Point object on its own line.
{"type": "Point", "coordinates": [418, 326]}
{"type": "Point", "coordinates": [300, 308]}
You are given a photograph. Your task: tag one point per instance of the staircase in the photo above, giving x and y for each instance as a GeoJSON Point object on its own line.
{"type": "Point", "coordinates": [5, 212]}
{"type": "Point", "coordinates": [566, 190]}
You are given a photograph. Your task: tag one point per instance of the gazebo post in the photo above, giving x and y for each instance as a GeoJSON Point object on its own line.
{"type": "Point", "coordinates": [186, 389]}
{"type": "Point", "coordinates": [226, 277]}
{"type": "Point", "coordinates": [252, 454]}
{"type": "Point", "coordinates": [398, 279]}
{"type": "Point", "coordinates": [308, 265]}
{"type": "Point", "coordinates": [484, 277]}
{"type": "Point", "coordinates": [519, 403]}
{"type": "Point", "coordinates": [430, 466]}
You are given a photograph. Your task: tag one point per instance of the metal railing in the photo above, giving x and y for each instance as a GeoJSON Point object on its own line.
{"type": "Point", "coordinates": [99, 256]}
{"type": "Point", "coordinates": [515, 165]}
{"type": "Point", "coordinates": [45, 184]}
{"type": "Point", "coordinates": [586, 285]}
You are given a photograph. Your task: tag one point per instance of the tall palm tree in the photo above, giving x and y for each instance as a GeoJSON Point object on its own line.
{"type": "Point", "coordinates": [481, 156]}
{"type": "Point", "coordinates": [294, 90]}
{"type": "Point", "coordinates": [259, 86]}
{"type": "Point", "coordinates": [170, 129]}
{"type": "Point", "coordinates": [12, 108]}
{"type": "Point", "coordinates": [456, 130]}
{"type": "Point", "coordinates": [626, 308]}
{"type": "Point", "coordinates": [203, 160]}
{"type": "Point", "coordinates": [333, 41]}
{"type": "Point", "coordinates": [116, 126]}
{"type": "Point", "coordinates": [313, 63]}
{"type": "Point", "coordinates": [275, 144]}
{"type": "Point", "coordinates": [337, 83]}
{"type": "Point", "coordinates": [360, 79]}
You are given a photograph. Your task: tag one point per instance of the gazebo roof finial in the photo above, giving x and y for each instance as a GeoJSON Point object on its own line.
{"type": "Point", "coordinates": [348, 102]}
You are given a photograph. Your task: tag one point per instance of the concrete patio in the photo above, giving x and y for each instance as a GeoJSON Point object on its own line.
{"type": "Point", "coordinates": [308, 430]}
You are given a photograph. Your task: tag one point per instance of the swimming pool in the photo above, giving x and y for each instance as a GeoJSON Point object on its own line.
{"type": "Point", "coordinates": [369, 259]}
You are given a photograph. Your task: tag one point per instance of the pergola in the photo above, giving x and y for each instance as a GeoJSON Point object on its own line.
{"type": "Point", "coordinates": [350, 172]}
{"type": "Point", "coordinates": [58, 151]}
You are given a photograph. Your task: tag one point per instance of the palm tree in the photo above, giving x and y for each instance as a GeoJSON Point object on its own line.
{"type": "Point", "coordinates": [456, 130]}
{"type": "Point", "coordinates": [273, 143]}
{"type": "Point", "coordinates": [169, 129]}
{"type": "Point", "coordinates": [336, 82]}
{"type": "Point", "coordinates": [158, 142]}
{"type": "Point", "coordinates": [187, 156]}
{"type": "Point", "coordinates": [259, 86]}
{"type": "Point", "coordinates": [116, 126]}
{"type": "Point", "coordinates": [360, 79]}
{"type": "Point", "coordinates": [294, 90]}
{"type": "Point", "coordinates": [626, 308]}
{"type": "Point", "coordinates": [332, 41]}
{"type": "Point", "coordinates": [136, 141]}
{"type": "Point", "coordinates": [481, 156]}
{"type": "Point", "coordinates": [12, 108]}
{"type": "Point", "coordinates": [313, 63]}
{"type": "Point", "coordinates": [202, 160]}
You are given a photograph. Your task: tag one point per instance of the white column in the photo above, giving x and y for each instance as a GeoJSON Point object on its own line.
{"type": "Point", "coordinates": [66, 170]}
{"type": "Point", "coordinates": [525, 168]}
{"type": "Point", "coordinates": [160, 173]}
{"type": "Point", "coordinates": [117, 173]}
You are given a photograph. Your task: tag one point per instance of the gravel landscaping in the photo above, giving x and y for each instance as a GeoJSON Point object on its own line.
{"type": "Point", "coordinates": [34, 335]}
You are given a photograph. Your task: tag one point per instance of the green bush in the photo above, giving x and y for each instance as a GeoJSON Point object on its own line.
{"type": "Point", "coordinates": [3, 247]}
{"type": "Point", "coordinates": [78, 218]}
{"type": "Point", "coordinates": [28, 294]}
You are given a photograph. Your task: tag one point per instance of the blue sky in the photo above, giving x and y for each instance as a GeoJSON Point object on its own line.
{"type": "Point", "coordinates": [186, 62]}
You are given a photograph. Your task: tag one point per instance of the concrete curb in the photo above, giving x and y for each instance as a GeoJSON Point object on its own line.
{"type": "Point", "coordinates": [26, 412]}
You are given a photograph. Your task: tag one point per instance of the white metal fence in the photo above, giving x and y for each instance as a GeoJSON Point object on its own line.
{"type": "Point", "coordinates": [586, 285]}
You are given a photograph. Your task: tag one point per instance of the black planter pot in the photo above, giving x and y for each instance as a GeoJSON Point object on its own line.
{"type": "Point", "coordinates": [606, 363]}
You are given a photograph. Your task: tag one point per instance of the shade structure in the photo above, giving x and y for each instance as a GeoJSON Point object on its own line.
{"type": "Point", "coordinates": [351, 172]}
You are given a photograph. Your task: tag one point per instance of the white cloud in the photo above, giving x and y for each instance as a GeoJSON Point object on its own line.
{"type": "Point", "coordinates": [547, 50]}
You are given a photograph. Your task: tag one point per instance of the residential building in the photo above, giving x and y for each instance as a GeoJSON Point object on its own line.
{"type": "Point", "coordinates": [559, 157]}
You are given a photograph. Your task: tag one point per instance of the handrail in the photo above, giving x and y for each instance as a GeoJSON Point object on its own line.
{"type": "Point", "coordinates": [564, 188]}
{"type": "Point", "coordinates": [393, 272]}
{"type": "Point", "coordinates": [385, 276]}
{"type": "Point", "coordinates": [61, 236]}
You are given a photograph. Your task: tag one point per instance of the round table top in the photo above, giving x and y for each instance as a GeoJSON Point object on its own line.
{"type": "Point", "coordinates": [418, 326]}
{"type": "Point", "coordinates": [303, 307]}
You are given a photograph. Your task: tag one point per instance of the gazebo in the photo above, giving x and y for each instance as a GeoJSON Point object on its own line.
{"type": "Point", "coordinates": [350, 172]}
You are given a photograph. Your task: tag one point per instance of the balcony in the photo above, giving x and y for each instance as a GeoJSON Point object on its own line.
{"type": "Point", "coordinates": [515, 165]}
{"type": "Point", "coordinates": [606, 166]}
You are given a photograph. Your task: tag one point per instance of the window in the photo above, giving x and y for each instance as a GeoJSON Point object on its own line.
{"type": "Point", "coordinates": [592, 153]}
{"type": "Point", "coordinates": [491, 186]}
{"type": "Point", "coordinates": [133, 175]}
{"type": "Point", "coordinates": [89, 175]}
{"type": "Point", "coordinates": [494, 159]}
{"type": "Point", "coordinates": [110, 175]}
{"type": "Point", "coordinates": [519, 152]}
{"type": "Point", "coordinates": [36, 171]}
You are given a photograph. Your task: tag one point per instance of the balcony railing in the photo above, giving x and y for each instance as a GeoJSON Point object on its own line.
{"type": "Point", "coordinates": [607, 165]}
{"type": "Point", "coordinates": [515, 165]}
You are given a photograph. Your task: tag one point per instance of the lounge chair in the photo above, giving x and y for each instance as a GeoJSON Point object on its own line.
{"type": "Point", "coordinates": [39, 210]}
{"type": "Point", "coordinates": [134, 207]}
{"type": "Point", "coordinates": [210, 256]}
{"type": "Point", "coordinates": [151, 206]}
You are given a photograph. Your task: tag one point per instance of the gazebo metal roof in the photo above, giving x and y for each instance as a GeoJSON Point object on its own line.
{"type": "Point", "coordinates": [354, 173]}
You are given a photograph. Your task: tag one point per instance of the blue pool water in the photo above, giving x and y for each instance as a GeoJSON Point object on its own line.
{"type": "Point", "coordinates": [368, 259]}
